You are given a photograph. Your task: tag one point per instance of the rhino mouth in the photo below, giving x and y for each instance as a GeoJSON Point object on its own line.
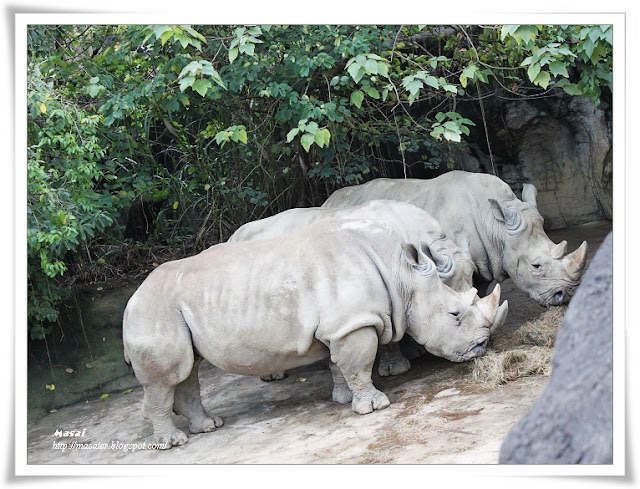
{"type": "Point", "coordinates": [556, 297]}
{"type": "Point", "coordinates": [476, 350]}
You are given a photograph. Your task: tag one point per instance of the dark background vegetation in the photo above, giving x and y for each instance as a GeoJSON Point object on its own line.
{"type": "Point", "coordinates": [148, 143]}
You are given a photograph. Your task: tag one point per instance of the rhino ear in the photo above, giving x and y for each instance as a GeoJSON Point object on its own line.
{"type": "Point", "coordinates": [417, 259]}
{"type": "Point", "coordinates": [511, 218]}
{"type": "Point", "coordinates": [529, 194]}
{"type": "Point", "coordinates": [445, 265]}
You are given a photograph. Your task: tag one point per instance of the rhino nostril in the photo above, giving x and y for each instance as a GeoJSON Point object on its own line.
{"type": "Point", "coordinates": [558, 297]}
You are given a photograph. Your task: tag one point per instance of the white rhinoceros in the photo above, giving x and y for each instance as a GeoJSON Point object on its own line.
{"type": "Point", "coordinates": [416, 226]}
{"type": "Point", "coordinates": [504, 235]}
{"type": "Point", "coordinates": [335, 289]}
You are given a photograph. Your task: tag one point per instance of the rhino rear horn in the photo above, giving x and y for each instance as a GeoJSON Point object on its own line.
{"type": "Point", "coordinates": [575, 262]}
{"type": "Point", "coordinates": [559, 250]}
{"type": "Point", "coordinates": [470, 296]}
{"type": "Point", "coordinates": [530, 194]}
{"type": "Point", "coordinates": [489, 305]}
{"type": "Point", "coordinates": [501, 317]}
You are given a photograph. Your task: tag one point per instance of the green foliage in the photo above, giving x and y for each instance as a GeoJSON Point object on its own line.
{"type": "Point", "coordinates": [213, 126]}
{"type": "Point", "coordinates": [553, 52]}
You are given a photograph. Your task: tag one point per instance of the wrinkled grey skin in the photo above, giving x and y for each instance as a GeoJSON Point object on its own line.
{"type": "Point", "coordinates": [480, 213]}
{"type": "Point", "coordinates": [336, 289]}
{"type": "Point", "coordinates": [454, 265]}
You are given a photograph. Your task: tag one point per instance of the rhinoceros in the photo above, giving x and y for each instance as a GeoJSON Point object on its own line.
{"type": "Point", "coordinates": [336, 289]}
{"type": "Point", "coordinates": [503, 234]}
{"type": "Point", "coordinates": [454, 266]}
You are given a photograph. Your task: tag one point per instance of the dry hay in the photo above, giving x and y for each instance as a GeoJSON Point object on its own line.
{"type": "Point", "coordinates": [528, 351]}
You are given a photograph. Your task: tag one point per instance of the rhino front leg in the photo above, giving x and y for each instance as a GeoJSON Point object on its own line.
{"type": "Point", "coordinates": [392, 361]}
{"type": "Point", "coordinates": [188, 403]}
{"type": "Point", "coordinates": [354, 355]}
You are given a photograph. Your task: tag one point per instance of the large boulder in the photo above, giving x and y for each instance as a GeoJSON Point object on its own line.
{"type": "Point", "coordinates": [572, 422]}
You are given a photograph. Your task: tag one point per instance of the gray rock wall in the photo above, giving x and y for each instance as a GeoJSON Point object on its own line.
{"type": "Point", "coordinates": [562, 145]}
{"type": "Point", "coordinates": [572, 422]}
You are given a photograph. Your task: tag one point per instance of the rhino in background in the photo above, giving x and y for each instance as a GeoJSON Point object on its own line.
{"type": "Point", "coordinates": [335, 289]}
{"type": "Point", "coordinates": [480, 213]}
{"type": "Point", "coordinates": [454, 265]}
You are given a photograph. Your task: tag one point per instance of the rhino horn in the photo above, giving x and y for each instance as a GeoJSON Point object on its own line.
{"type": "Point", "coordinates": [529, 194]}
{"type": "Point", "coordinates": [469, 296]}
{"type": "Point", "coordinates": [559, 250]}
{"type": "Point", "coordinates": [501, 317]}
{"type": "Point", "coordinates": [575, 262]}
{"type": "Point", "coordinates": [489, 305]}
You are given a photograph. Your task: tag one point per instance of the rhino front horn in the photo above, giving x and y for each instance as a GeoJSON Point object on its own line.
{"type": "Point", "coordinates": [575, 262]}
{"type": "Point", "coordinates": [489, 305]}
{"type": "Point", "coordinates": [501, 317]}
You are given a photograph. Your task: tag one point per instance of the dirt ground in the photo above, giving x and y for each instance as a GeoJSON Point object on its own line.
{"type": "Point", "coordinates": [438, 414]}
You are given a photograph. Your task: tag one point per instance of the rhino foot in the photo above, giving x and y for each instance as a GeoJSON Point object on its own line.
{"type": "Point", "coordinates": [205, 425]}
{"type": "Point", "coordinates": [341, 394]}
{"type": "Point", "coordinates": [166, 441]}
{"type": "Point", "coordinates": [274, 376]}
{"type": "Point", "coordinates": [367, 403]}
{"type": "Point", "coordinates": [395, 364]}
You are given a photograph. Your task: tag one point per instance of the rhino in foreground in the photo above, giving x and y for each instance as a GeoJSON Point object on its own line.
{"type": "Point", "coordinates": [454, 266]}
{"type": "Point", "coordinates": [480, 213]}
{"type": "Point", "coordinates": [336, 289]}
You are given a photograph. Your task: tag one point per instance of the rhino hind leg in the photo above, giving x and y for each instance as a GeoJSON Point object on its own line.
{"type": "Point", "coordinates": [392, 361]}
{"type": "Point", "coordinates": [354, 355]}
{"type": "Point", "coordinates": [341, 392]}
{"type": "Point", "coordinates": [188, 403]}
{"type": "Point", "coordinates": [158, 407]}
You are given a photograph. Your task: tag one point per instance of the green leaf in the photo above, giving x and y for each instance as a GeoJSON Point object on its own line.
{"type": "Point", "coordinates": [356, 98]}
{"type": "Point", "coordinates": [201, 86]}
{"type": "Point", "coordinates": [414, 86]}
{"type": "Point", "coordinates": [192, 67]}
{"type": "Point", "coordinates": [382, 69]}
{"type": "Point", "coordinates": [440, 116]}
{"type": "Point", "coordinates": [533, 71]}
{"type": "Point", "coordinates": [373, 93]}
{"type": "Point", "coordinates": [371, 66]}
{"type": "Point", "coordinates": [186, 82]}
{"type": "Point", "coordinates": [542, 79]}
{"type": "Point", "coordinates": [242, 136]}
{"type": "Point", "coordinates": [572, 89]}
{"type": "Point", "coordinates": [312, 127]}
{"type": "Point", "coordinates": [432, 81]}
{"type": "Point", "coordinates": [307, 140]}
{"type": "Point", "coordinates": [292, 134]}
{"type": "Point", "coordinates": [233, 54]}
{"type": "Point", "coordinates": [558, 68]}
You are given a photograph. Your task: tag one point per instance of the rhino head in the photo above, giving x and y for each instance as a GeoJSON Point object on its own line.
{"type": "Point", "coordinates": [537, 265]}
{"type": "Point", "coordinates": [449, 324]}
